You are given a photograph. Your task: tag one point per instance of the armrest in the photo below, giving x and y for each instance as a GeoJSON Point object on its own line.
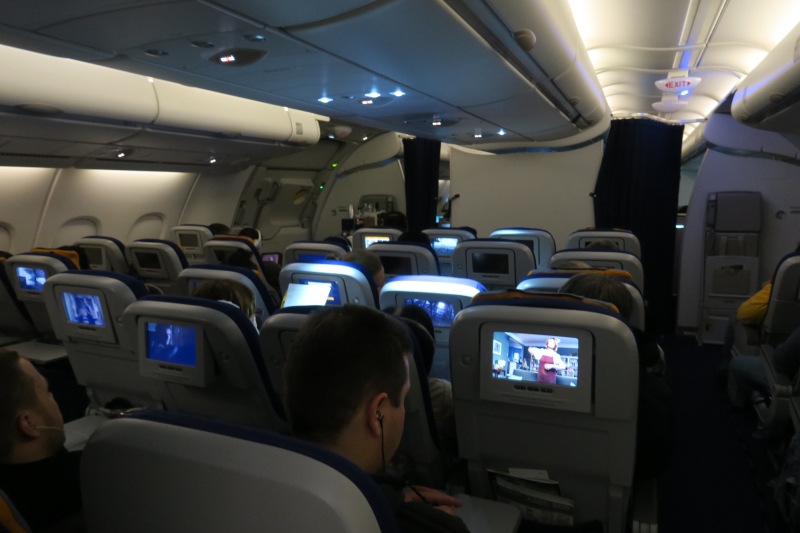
{"type": "Point", "coordinates": [780, 384]}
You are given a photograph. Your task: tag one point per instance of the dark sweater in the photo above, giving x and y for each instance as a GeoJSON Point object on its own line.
{"type": "Point", "coordinates": [47, 491]}
{"type": "Point", "coordinates": [418, 517]}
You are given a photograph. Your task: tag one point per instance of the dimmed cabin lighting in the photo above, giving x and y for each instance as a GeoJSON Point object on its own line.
{"type": "Point", "coordinates": [324, 99]}
{"type": "Point", "coordinates": [398, 93]}
{"type": "Point", "coordinates": [373, 94]}
{"type": "Point", "coordinates": [501, 132]}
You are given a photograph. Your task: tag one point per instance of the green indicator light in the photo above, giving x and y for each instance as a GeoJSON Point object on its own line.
{"type": "Point", "coordinates": [335, 165]}
{"type": "Point", "coordinates": [321, 186]}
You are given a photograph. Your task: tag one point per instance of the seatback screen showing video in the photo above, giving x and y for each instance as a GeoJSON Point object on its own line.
{"type": "Point", "coordinates": [333, 295]}
{"type": "Point", "coordinates": [397, 266]}
{"type": "Point", "coordinates": [483, 263]}
{"type": "Point", "coordinates": [31, 279]}
{"type": "Point", "coordinates": [444, 246]}
{"type": "Point", "coordinates": [534, 358]}
{"type": "Point", "coordinates": [311, 257]}
{"type": "Point", "coordinates": [369, 240]}
{"type": "Point", "coordinates": [189, 240]}
{"type": "Point", "coordinates": [172, 343]}
{"type": "Point", "coordinates": [84, 309]}
{"type": "Point", "coordinates": [271, 258]}
{"type": "Point", "coordinates": [148, 260]}
{"type": "Point", "coordinates": [442, 313]}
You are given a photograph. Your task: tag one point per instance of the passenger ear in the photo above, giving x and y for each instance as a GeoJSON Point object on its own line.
{"type": "Point", "coordinates": [375, 413]}
{"type": "Point", "coordinates": [26, 425]}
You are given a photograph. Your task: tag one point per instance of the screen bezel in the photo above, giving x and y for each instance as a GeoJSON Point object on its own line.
{"type": "Point", "coordinates": [493, 279]}
{"type": "Point", "coordinates": [433, 237]}
{"type": "Point", "coordinates": [412, 263]}
{"type": "Point", "coordinates": [31, 292]}
{"type": "Point", "coordinates": [150, 272]}
{"type": "Point", "coordinates": [196, 249]}
{"type": "Point", "coordinates": [458, 306]}
{"type": "Point", "coordinates": [548, 396]}
{"type": "Point", "coordinates": [200, 375]}
{"type": "Point", "coordinates": [105, 334]}
{"type": "Point", "coordinates": [88, 250]}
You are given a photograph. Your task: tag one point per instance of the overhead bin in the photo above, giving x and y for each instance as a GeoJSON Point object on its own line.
{"type": "Point", "coordinates": [45, 99]}
{"type": "Point", "coordinates": [768, 97]}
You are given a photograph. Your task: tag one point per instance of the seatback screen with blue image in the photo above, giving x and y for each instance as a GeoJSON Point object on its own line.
{"type": "Point", "coordinates": [442, 313]}
{"type": "Point", "coordinates": [31, 279]}
{"type": "Point", "coordinates": [444, 246]}
{"type": "Point", "coordinates": [311, 257]}
{"type": "Point", "coordinates": [333, 297]}
{"type": "Point", "coordinates": [84, 309]}
{"type": "Point", "coordinates": [171, 343]}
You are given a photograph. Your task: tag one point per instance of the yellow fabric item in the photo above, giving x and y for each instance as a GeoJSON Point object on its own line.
{"type": "Point", "coordinates": [9, 519]}
{"type": "Point", "coordinates": [72, 256]}
{"type": "Point", "coordinates": [753, 311]}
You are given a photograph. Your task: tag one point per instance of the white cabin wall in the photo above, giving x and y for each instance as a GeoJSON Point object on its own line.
{"type": "Point", "coordinates": [777, 181]}
{"type": "Point", "coordinates": [547, 190]}
{"type": "Point", "coordinates": [214, 198]}
{"type": "Point", "coordinates": [128, 205]}
{"type": "Point", "coordinates": [22, 196]}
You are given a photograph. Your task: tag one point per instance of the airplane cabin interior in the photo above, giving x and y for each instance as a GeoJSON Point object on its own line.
{"type": "Point", "coordinates": [490, 155]}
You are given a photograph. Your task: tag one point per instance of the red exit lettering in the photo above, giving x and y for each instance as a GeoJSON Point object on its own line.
{"type": "Point", "coordinates": [677, 84]}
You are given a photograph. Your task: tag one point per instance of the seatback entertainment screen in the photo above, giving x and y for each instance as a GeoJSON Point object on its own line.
{"type": "Point", "coordinates": [442, 313]}
{"type": "Point", "coordinates": [31, 279]}
{"type": "Point", "coordinates": [534, 358]}
{"type": "Point", "coordinates": [84, 309]}
{"type": "Point", "coordinates": [171, 343]}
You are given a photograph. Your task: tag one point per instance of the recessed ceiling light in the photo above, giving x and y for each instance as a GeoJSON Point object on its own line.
{"type": "Point", "coordinates": [230, 58]}
{"type": "Point", "coordinates": [154, 52]}
{"type": "Point", "coordinates": [478, 135]}
{"type": "Point", "coordinates": [237, 57]}
{"type": "Point", "coordinates": [255, 38]}
{"type": "Point", "coordinates": [331, 137]}
{"type": "Point", "coordinates": [348, 97]}
{"type": "Point", "coordinates": [501, 132]}
{"type": "Point", "coordinates": [212, 159]}
{"type": "Point", "coordinates": [366, 102]}
{"type": "Point", "coordinates": [121, 155]}
{"type": "Point", "coordinates": [684, 93]}
{"type": "Point", "coordinates": [436, 122]}
{"type": "Point", "coordinates": [324, 99]}
{"type": "Point", "coordinates": [398, 93]}
{"type": "Point", "coordinates": [365, 138]}
{"type": "Point", "coordinates": [203, 44]}
{"type": "Point", "coordinates": [373, 94]}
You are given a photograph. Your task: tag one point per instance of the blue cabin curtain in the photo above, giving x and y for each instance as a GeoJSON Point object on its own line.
{"type": "Point", "coordinates": [421, 162]}
{"type": "Point", "coordinates": [637, 190]}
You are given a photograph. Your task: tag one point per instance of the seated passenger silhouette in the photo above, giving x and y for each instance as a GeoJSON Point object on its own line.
{"type": "Point", "coordinates": [40, 477]}
{"type": "Point", "coordinates": [656, 417]}
{"type": "Point", "coordinates": [346, 381]}
{"type": "Point", "coordinates": [232, 292]}
{"type": "Point", "coordinates": [218, 228]}
{"type": "Point", "coordinates": [604, 244]}
{"type": "Point", "coordinates": [371, 262]}
{"type": "Point", "coordinates": [750, 371]}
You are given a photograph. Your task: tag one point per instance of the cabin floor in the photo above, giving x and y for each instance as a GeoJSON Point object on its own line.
{"type": "Point", "coordinates": [722, 477]}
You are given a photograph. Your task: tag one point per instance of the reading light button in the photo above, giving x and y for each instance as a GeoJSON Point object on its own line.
{"type": "Point", "coordinates": [534, 389]}
{"type": "Point", "coordinates": [519, 387]}
{"type": "Point", "coordinates": [547, 390]}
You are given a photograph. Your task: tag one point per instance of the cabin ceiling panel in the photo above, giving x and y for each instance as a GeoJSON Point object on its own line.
{"type": "Point", "coordinates": [40, 13]}
{"type": "Point", "coordinates": [525, 114]}
{"type": "Point", "coordinates": [403, 40]}
{"type": "Point", "coordinates": [32, 126]}
{"type": "Point", "coordinates": [294, 12]}
{"type": "Point", "coordinates": [762, 23]}
{"type": "Point", "coordinates": [142, 25]}
{"type": "Point", "coordinates": [740, 58]}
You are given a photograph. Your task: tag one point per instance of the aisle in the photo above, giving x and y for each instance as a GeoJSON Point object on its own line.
{"type": "Point", "coordinates": [719, 478]}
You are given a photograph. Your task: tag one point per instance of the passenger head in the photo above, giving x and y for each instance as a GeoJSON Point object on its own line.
{"type": "Point", "coordinates": [421, 317]}
{"type": "Point", "coordinates": [31, 425]}
{"type": "Point", "coordinates": [603, 288]}
{"type": "Point", "coordinates": [250, 233]}
{"type": "Point", "coordinates": [217, 228]}
{"type": "Point", "coordinates": [339, 241]}
{"type": "Point", "coordinates": [83, 259]}
{"type": "Point", "coordinates": [240, 258]}
{"type": "Point", "coordinates": [346, 380]}
{"type": "Point", "coordinates": [396, 220]}
{"type": "Point", "coordinates": [228, 290]}
{"type": "Point", "coordinates": [417, 237]}
{"type": "Point", "coordinates": [371, 262]}
{"type": "Point", "coordinates": [574, 264]}
{"type": "Point", "coordinates": [603, 244]}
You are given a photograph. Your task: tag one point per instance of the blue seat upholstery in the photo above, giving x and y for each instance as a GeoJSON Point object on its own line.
{"type": "Point", "coordinates": [353, 283]}
{"type": "Point", "coordinates": [191, 487]}
{"type": "Point", "coordinates": [581, 428]}
{"type": "Point", "coordinates": [238, 388]}
{"type": "Point", "coordinates": [406, 259]}
{"type": "Point", "coordinates": [103, 358]}
{"type": "Point", "coordinates": [157, 262]}
{"type": "Point", "coordinates": [104, 253]}
{"type": "Point", "coordinates": [267, 299]}
{"type": "Point", "coordinates": [625, 240]}
{"type": "Point", "coordinates": [540, 241]}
